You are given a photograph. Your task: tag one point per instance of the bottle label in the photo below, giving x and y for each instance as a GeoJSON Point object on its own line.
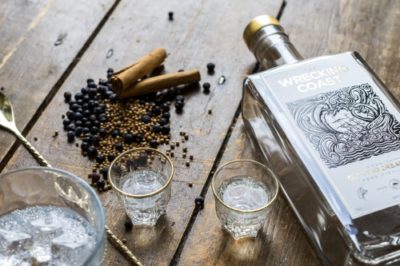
{"type": "Point", "coordinates": [348, 126]}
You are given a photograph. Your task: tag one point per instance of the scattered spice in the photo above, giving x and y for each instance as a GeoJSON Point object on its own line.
{"type": "Point", "coordinates": [206, 87]}
{"type": "Point", "coordinates": [67, 96]}
{"type": "Point", "coordinates": [165, 81]}
{"type": "Point", "coordinates": [128, 225]}
{"type": "Point", "coordinates": [221, 80]}
{"type": "Point", "coordinates": [179, 103]}
{"type": "Point", "coordinates": [138, 79]}
{"type": "Point", "coordinates": [108, 121]}
{"type": "Point", "coordinates": [70, 136]}
{"type": "Point", "coordinates": [129, 76]}
{"type": "Point", "coordinates": [35, 138]}
{"type": "Point", "coordinates": [170, 16]}
{"type": "Point", "coordinates": [199, 201]}
{"type": "Point", "coordinates": [95, 177]}
{"type": "Point", "coordinates": [100, 184]}
{"type": "Point", "coordinates": [107, 126]}
{"type": "Point", "coordinates": [210, 68]}
{"type": "Point", "coordinates": [209, 111]}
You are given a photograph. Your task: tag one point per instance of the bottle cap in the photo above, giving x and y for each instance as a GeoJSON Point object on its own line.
{"type": "Point", "coordinates": [257, 23]}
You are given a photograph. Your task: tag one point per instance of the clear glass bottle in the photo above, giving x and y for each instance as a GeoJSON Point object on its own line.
{"type": "Point", "coordinates": [330, 130]}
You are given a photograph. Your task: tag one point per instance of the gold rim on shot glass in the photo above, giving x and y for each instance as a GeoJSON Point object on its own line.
{"type": "Point", "coordinates": [140, 196]}
{"type": "Point", "coordinates": [273, 198]}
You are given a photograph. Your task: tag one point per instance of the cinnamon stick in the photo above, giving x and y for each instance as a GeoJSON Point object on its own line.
{"type": "Point", "coordinates": [157, 83]}
{"type": "Point", "coordinates": [130, 75]}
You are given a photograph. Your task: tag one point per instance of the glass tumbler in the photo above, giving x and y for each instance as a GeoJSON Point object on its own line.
{"type": "Point", "coordinates": [49, 216]}
{"type": "Point", "coordinates": [244, 191]}
{"type": "Point", "coordinates": [142, 179]}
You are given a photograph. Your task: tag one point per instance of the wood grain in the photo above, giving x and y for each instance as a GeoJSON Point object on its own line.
{"type": "Point", "coordinates": [16, 21]}
{"type": "Point", "coordinates": [369, 27]}
{"type": "Point", "coordinates": [281, 242]}
{"type": "Point", "coordinates": [316, 28]}
{"type": "Point", "coordinates": [39, 39]}
{"type": "Point", "coordinates": [202, 31]}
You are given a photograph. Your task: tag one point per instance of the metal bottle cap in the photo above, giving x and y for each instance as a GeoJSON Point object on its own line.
{"type": "Point", "coordinates": [257, 23]}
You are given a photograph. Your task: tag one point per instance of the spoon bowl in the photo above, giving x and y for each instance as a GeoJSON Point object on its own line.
{"type": "Point", "coordinates": [6, 114]}
{"type": "Point", "coordinates": [7, 122]}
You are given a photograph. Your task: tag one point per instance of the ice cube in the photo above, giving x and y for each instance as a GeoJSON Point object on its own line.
{"type": "Point", "coordinates": [66, 249]}
{"type": "Point", "coordinates": [16, 260]}
{"type": "Point", "coordinates": [45, 228]}
{"type": "Point", "coordinates": [48, 228]}
{"type": "Point", "coordinates": [41, 260]}
{"type": "Point", "coordinates": [12, 242]}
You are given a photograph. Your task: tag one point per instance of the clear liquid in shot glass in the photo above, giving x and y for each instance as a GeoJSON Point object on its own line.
{"type": "Point", "coordinates": [245, 194]}
{"type": "Point", "coordinates": [146, 210]}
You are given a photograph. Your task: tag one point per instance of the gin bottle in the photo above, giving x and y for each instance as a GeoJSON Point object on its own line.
{"type": "Point", "coordinates": [330, 130]}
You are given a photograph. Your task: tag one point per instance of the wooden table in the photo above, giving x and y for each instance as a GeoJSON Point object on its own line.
{"type": "Point", "coordinates": [49, 47]}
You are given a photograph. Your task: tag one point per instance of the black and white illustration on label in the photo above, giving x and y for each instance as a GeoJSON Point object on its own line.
{"type": "Point", "coordinates": [347, 125]}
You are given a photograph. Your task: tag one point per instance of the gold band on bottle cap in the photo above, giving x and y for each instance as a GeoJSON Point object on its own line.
{"type": "Point", "coordinates": [257, 23]}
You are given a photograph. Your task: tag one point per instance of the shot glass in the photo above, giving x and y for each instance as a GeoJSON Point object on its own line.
{"type": "Point", "coordinates": [49, 217]}
{"type": "Point", "coordinates": [244, 191]}
{"type": "Point", "coordinates": [142, 179]}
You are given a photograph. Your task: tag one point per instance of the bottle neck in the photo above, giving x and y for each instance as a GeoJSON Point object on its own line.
{"type": "Point", "coordinates": [271, 47]}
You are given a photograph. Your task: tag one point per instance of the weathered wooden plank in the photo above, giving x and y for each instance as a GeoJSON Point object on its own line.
{"type": "Point", "coordinates": [316, 28]}
{"type": "Point", "coordinates": [281, 242]}
{"type": "Point", "coordinates": [16, 20]}
{"type": "Point", "coordinates": [39, 40]}
{"type": "Point", "coordinates": [202, 31]}
{"type": "Point", "coordinates": [369, 27]}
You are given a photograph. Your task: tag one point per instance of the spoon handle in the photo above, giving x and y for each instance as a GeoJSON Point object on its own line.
{"type": "Point", "coordinates": [42, 161]}
{"type": "Point", "coordinates": [117, 243]}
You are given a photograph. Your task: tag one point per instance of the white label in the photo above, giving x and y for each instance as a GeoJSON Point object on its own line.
{"type": "Point", "coordinates": [351, 129]}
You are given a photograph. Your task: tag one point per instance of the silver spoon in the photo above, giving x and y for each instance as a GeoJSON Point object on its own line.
{"type": "Point", "coordinates": [7, 122]}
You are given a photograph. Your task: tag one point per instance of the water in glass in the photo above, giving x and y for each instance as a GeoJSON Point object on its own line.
{"type": "Point", "coordinates": [45, 235]}
{"type": "Point", "coordinates": [145, 210]}
{"type": "Point", "coordinates": [245, 194]}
